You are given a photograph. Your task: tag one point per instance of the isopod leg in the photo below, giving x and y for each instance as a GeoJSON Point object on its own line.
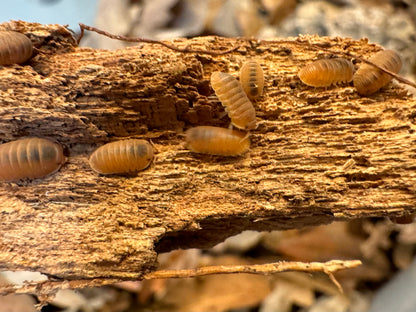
{"type": "Point", "coordinates": [245, 137]}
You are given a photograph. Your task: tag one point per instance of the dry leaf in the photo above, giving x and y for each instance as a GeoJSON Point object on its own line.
{"type": "Point", "coordinates": [356, 302]}
{"type": "Point", "coordinates": [286, 294]}
{"type": "Point", "coordinates": [337, 241]}
{"type": "Point", "coordinates": [278, 10]}
{"type": "Point", "coordinates": [17, 303]}
{"type": "Point", "coordinates": [320, 243]}
{"type": "Point", "coordinates": [403, 255]}
{"type": "Point", "coordinates": [239, 243]}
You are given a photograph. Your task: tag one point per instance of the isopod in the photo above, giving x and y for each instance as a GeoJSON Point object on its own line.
{"type": "Point", "coordinates": [326, 72]}
{"type": "Point", "coordinates": [369, 79]}
{"type": "Point", "coordinates": [231, 94]}
{"type": "Point", "coordinates": [15, 48]}
{"type": "Point", "coordinates": [252, 79]}
{"type": "Point", "coordinates": [217, 141]}
{"type": "Point", "coordinates": [29, 158]}
{"type": "Point", "coordinates": [124, 156]}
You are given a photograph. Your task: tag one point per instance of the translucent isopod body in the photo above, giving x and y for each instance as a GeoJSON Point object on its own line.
{"type": "Point", "coordinates": [29, 158]}
{"type": "Point", "coordinates": [231, 94]}
{"type": "Point", "coordinates": [326, 72]}
{"type": "Point", "coordinates": [125, 156]}
{"type": "Point", "coordinates": [15, 48]}
{"type": "Point", "coordinates": [252, 79]}
{"type": "Point", "coordinates": [217, 141]}
{"type": "Point", "coordinates": [369, 79]}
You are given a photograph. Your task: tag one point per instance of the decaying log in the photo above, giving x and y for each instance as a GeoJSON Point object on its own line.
{"type": "Point", "coordinates": [317, 156]}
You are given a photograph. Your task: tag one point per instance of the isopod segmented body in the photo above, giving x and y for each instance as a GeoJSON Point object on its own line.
{"type": "Point", "coordinates": [29, 158]}
{"type": "Point", "coordinates": [369, 79]}
{"type": "Point", "coordinates": [252, 79]}
{"type": "Point", "coordinates": [15, 48]}
{"type": "Point", "coordinates": [231, 94]}
{"type": "Point", "coordinates": [124, 156]}
{"type": "Point", "coordinates": [217, 141]}
{"type": "Point", "coordinates": [326, 72]}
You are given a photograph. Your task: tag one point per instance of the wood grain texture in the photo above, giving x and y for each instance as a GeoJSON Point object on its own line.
{"type": "Point", "coordinates": [317, 155]}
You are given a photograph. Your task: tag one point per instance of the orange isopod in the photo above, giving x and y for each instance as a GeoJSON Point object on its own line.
{"type": "Point", "coordinates": [252, 79]}
{"type": "Point", "coordinates": [231, 94]}
{"type": "Point", "coordinates": [369, 79]}
{"type": "Point", "coordinates": [217, 141]}
{"type": "Point", "coordinates": [326, 72]}
{"type": "Point", "coordinates": [15, 48]}
{"type": "Point", "coordinates": [29, 158]}
{"type": "Point", "coordinates": [124, 156]}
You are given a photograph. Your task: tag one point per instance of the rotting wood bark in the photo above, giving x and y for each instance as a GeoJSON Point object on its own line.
{"type": "Point", "coordinates": [317, 156]}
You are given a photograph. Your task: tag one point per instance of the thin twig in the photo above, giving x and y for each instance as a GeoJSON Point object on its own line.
{"type": "Point", "coordinates": [152, 41]}
{"type": "Point", "coordinates": [396, 76]}
{"type": "Point", "coordinates": [269, 268]}
{"type": "Point", "coordinates": [335, 282]}
{"type": "Point", "coordinates": [202, 51]}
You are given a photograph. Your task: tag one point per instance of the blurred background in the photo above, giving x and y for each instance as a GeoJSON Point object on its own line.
{"type": "Point", "coordinates": [387, 278]}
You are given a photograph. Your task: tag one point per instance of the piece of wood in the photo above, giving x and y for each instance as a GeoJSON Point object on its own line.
{"type": "Point", "coordinates": [317, 155]}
